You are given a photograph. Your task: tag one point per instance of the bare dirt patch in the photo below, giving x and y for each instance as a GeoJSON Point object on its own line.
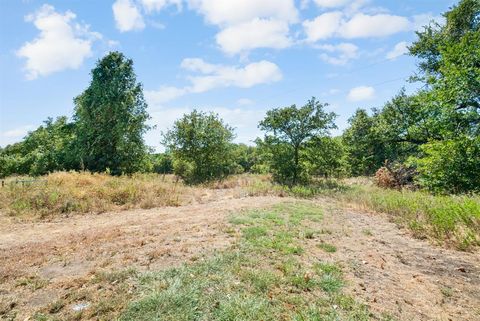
{"type": "Point", "coordinates": [398, 275]}
{"type": "Point", "coordinates": [42, 262]}
{"type": "Point", "coordinates": [55, 267]}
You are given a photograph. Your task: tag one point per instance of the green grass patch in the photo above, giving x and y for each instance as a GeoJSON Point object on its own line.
{"type": "Point", "coordinates": [265, 276]}
{"type": "Point", "coordinates": [327, 247]}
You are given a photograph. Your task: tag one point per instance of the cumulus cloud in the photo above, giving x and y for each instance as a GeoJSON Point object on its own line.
{"type": "Point", "coordinates": [210, 76]}
{"type": "Point", "coordinates": [61, 44]}
{"type": "Point", "coordinates": [360, 25]}
{"type": "Point", "coordinates": [257, 33]}
{"type": "Point", "coordinates": [380, 25]}
{"type": "Point", "coordinates": [331, 3]}
{"type": "Point", "coordinates": [127, 16]}
{"type": "Point", "coordinates": [221, 12]}
{"type": "Point", "coordinates": [397, 51]}
{"type": "Point", "coordinates": [158, 5]}
{"type": "Point", "coordinates": [339, 54]}
{"type": "Point", "coordinates": [324, 26]}
{"type": "Point", "coordinates": [14, 135]}
{"type": "Point", "coordinates": [249, 24]}
{"type": "Point", "coordinates": [361, 93]}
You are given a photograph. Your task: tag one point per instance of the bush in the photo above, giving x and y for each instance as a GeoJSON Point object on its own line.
{"type": "Point", "coordinates": [450, 166]}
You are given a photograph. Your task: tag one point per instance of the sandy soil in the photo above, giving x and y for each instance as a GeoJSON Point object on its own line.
{"type": "Point", "coordinates": [386, 268]}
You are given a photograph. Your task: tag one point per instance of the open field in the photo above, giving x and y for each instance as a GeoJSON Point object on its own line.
{"type": "Point", "coordinates": [254, 249]}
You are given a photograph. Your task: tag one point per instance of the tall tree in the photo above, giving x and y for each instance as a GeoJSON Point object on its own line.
{"type": "Point", "coordinates": [364, 148]}
{"type": "Point", "coordinates": [111, 117]}
{"type": "Point", "coordinates": [291, 128]}
{"type": "Point", "coordinates": [46, 149]}
{"type": "Point", "coordinates": [201, 145]}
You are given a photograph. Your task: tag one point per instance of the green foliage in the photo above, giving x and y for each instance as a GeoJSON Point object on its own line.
{"type": "Point", "coordinates": [111, 118]}
{"type": "Point", "coordinates": [326, 157]}
{"type": "Point", "coordinates": [245, 157]}
{"type": "Point", "coordinates": [451, 166]}
{"type": "Point", "coordinates": [364, 148]}
{"type": "Point", "coordinates": [48, 148]}
{"type": "Point", "coordinates": [444, 115]}
{"type": "Point", "coordinates": [162, 163]}
{"type": "Point", "coordinates": [201, 145]}
{"type": "Point", "coordinates": [291, 129]}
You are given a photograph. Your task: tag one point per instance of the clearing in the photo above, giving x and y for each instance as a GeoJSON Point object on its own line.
{"type": "Point", "coordinates": [90, 262]}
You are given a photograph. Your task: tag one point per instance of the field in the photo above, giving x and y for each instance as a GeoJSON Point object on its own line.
{"type": "Point", "coordinates": [76, 246]}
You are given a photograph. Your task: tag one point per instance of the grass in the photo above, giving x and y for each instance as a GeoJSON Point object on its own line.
{"type": "Point", "coordinates": [327, 247]}
{"type": "Point", "coordinates": [448, 219]}
{"type": "Point", "coordinates": [265, 276]}
{"type": "Point", "coordinates": [63, 193]}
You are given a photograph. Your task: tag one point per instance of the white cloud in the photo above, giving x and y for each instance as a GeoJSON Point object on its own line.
{"type": "Point", "coordinates": [18, 132]}
{"type": "Point", "coordinates": [360, 25]}
{"type": "Point", "coordinates": [164, 94]}
{"type": "Point", "coordinates": [61, 44]}
{"type": "Point", "coordinates": [255, 73]}
{"type": "Point", "coordinates": [331, 3]}
{"type": "Point", "coordinates": [361, 93]}
{"type": "Point", "coordinates": [323, 26]}
{"type": "Point", "coordinates": [397, 51]}
{"type": "Point", "coordinates": [380, 25]}
{"type": "Point", "coordinates": [345, 52]}
{"type": "Point", "coordinates": [257, 33]}
{"type": "Point", "coordinates": [14, 135]}
{"type": "Point", "coordinates": [213, 76]}
{"type": "Point", "coordinates": [245, 102]}
{"type": "Point", "coordinates": [158, 5]}
{"type": "Point", "coordinates": [127, 16]}
{"type": "Point", "coordinates": [221, 12]}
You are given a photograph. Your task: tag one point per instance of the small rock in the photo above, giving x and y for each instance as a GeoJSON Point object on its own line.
{"type": "Point", "coordinates": [80, 306]}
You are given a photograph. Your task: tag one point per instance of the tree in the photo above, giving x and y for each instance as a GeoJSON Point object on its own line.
{"type": "Point", "coordinates": [363, 146]}
{"type": "Point", "coordinates": [449, 57]}
{"type": "Point", "coordinates": [326, 157]}
{"type": "Point", "coordinates": [451, 165]}
{"type": "Point", "coordinates": [201, 145]}
{"type": "Point", "coordinates": [111, 117]}
{"type": "Point", "coordinates": [291, 129]}
{"type": "Point", "coordinates": [46, 149]}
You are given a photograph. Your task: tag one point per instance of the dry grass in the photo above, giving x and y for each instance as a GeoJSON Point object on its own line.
{"type": "Point", "coordinates": [72, 192]}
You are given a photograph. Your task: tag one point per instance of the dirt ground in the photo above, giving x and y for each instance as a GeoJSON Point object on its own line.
{"type": "Point", "coordinates": [386, 268]}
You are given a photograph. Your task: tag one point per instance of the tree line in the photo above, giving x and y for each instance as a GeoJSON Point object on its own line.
{"type": "Point", "coordinates": [435, 131]}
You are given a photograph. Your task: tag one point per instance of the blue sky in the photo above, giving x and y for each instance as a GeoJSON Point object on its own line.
{"type": "Point", "coordinates": [238, 58]}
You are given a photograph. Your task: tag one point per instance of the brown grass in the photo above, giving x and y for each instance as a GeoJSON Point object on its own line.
{"type": "Point", "coordinates": [72, 192]}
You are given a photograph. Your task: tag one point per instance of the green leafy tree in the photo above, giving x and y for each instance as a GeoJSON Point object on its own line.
{"type": "Point", "coordinates": [245, 157]}
{"type": "Point", "coordinates": [290, 129]}
{"type": "Point", "coordinates": [449, 56]}
{"type": "Point", "coordinates": [363, 146]}
{"type": "Point", "coordinates": [111, 117]}
{"type": "Point", "coordinates": [46, 149]}
{"type": "Point", "coordinates": [450, 67]}
{"type": "Point", "coordinates": [202, 149]}
{"type": "Point", "coordinates": [162, 163]}
{"type": "Point", "coordinates": [327, 157]}
{"type": "Point", "coordinates": [459, 156]}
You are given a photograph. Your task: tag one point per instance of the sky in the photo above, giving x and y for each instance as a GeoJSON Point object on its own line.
{"type": "Point", "coordinates": [237, 58]}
